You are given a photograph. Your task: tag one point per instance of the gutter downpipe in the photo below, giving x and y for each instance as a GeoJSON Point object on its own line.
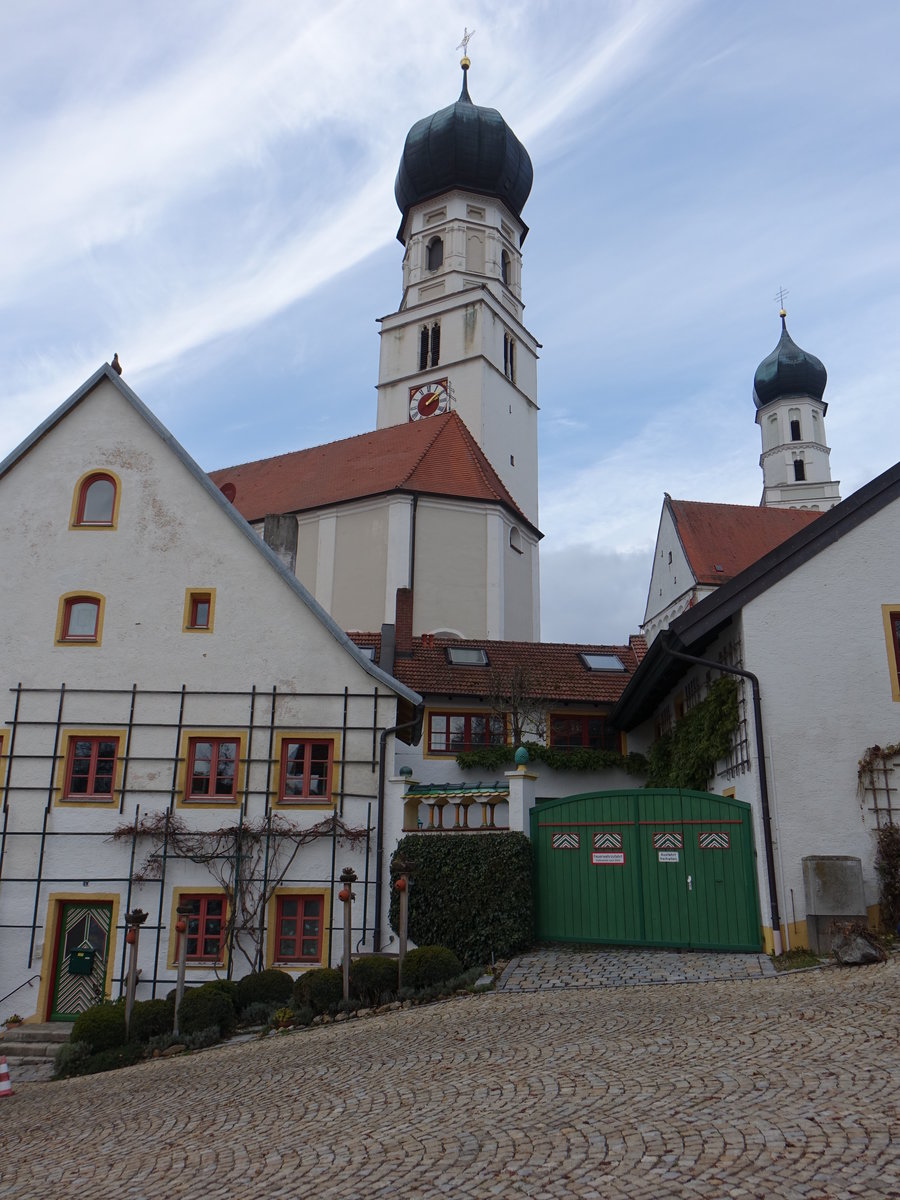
{"type": "Point", "coordinates": [763, 778]}
{"type": "Point", "coordinates": [379, 838]}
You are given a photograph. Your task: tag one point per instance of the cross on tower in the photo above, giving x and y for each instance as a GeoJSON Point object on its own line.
{"type": "Point", "coordinates": [464, 44]}
{"type": "Point", "coordinates": [780, 295]}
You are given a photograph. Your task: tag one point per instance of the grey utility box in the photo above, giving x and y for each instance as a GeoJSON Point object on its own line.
{"type": "Point", "coordinates": [834, 892]}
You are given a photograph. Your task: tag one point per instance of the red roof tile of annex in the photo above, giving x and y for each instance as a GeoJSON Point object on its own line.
{"type": "Point", "coordinates": [436, 457]}
{"type": "Point", "coordinates": [555, 670]}
{"type": "Point", "coordinates": [732, 536]}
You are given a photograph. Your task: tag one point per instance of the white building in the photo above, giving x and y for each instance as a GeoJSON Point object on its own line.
{"type": "Point", "coordinates": [183, 724]}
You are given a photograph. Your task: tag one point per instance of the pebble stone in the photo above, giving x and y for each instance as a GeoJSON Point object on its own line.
{"type": "Point", "coordinates": [748, 1087]}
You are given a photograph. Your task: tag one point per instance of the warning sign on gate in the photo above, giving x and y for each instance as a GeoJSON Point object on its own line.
{"type": "Point", "coordinates": [601, 858]}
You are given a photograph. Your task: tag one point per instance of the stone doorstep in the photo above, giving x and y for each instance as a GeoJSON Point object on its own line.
{"type": "Point", "coordinates": [47, 1031]}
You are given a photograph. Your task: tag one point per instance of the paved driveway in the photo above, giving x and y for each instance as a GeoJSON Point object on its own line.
{"type": "Point", "coordinates": [768, 1087]}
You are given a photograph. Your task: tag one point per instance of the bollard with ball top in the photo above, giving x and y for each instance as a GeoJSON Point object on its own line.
{"type": "Point", "coordinates": [345, 895]}
{"type": "Point", "coordinates": [133, 922]}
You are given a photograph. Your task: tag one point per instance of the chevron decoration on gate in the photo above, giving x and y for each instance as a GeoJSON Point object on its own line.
{"type": "Point", "coordinates": [714, 841]}
{"type": "Point", "coordinates": [565, 841]}
{"type": "Point", "coordinates": [668, 841]}
{"type": "Point", "coordinates": [607, 841]}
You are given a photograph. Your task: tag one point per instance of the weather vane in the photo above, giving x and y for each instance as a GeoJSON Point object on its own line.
{"type": "Point", "coordinates": [779, 296]}
{"type": "Point", "coordinates": [464, 44]}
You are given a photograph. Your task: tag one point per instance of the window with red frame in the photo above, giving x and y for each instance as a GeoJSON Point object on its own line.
{"type": "Point", "coordinates": [299, 922]}
{"type": "Point", "coordinates": [450, 733]}
{"type": "Point", "coordinates": [305, 769]}
{"type": "Point", "coordinates": [212, 768]}
{"type": "Point", "coordinates": [91, 768]}
{"type": "Point", "coordinates": [96, 501]}
{"type": "Point", "coordinates": [205, 928]}
{"type": "Point", "coordinates": [81, 619]}
{"type": "Point", "coordinates": [200, 609]}
{"type": "Point", "coordinates": [589, 731]}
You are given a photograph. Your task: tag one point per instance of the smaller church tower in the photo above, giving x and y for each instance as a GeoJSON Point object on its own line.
{"type": "Point", "coordinates": [787, 390]}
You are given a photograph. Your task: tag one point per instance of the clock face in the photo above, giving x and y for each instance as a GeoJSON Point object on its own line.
{"type": "Point", "coordinates": [428, 399]}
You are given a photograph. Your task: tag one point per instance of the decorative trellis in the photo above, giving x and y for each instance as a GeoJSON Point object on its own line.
{"type": "Point", "coordinates": [738, 759]}
{"type": "Point", "coordinates": [876, 786]}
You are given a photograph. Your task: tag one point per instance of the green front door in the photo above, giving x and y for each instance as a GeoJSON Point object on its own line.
{"type": "Point", "coordinates": [661, 867]}
{"type": "Point", "coordinates": [81, 956]}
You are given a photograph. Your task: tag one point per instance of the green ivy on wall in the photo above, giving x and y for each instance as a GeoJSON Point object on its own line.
{"type": "Point", "coordinates": [581, 758]}
{"type": "Point", "coordinates": [687, 756]}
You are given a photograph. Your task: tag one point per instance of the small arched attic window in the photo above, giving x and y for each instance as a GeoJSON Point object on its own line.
{"type": "Point", "coordinates": [96, 501]}
{"type": "Point", "coordinates": [434, 254]}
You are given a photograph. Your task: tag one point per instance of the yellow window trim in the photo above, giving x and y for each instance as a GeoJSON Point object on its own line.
{"type": "Point", "coordinates": [888, 611]}
{"type": "Point", "coordinates": [58, 639]}
{"type": "Point", "coordinates": [322, 802]}
{"type": "Point", "coordinates": [202, 735]}
{"type": "Point", "coordinates": [271, 931]}
{"type": "Point", "coordinates": [55, 902]}
{"type": "Point", "coordinates": [179, 894]}
{"type": "Point", "coordinates": [189, 595]}
{"type": "Point", "coordinates": [59, 785]}
{"type": "Point", "coordinates": [73, 523]}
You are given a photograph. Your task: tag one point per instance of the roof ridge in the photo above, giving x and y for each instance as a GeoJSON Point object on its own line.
{"type": "Point", "coordinates": [440, 425]}
{"type": "Point", "coordinates": [271, 458]}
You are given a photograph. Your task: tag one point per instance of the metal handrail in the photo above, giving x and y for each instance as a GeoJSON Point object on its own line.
{"type": "Point", "coordinates": [21, 985]}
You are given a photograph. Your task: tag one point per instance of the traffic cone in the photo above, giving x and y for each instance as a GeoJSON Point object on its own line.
{"type": "Point", "coordinates": [5, 1085]}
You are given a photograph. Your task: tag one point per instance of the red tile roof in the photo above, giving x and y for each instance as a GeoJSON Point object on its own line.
{"type": "Point", "coordinates": [732, 536]}
{"type": "Point", "coordinates": [554, 670]}
{"type": "Point", "coordinates": [437, 457]}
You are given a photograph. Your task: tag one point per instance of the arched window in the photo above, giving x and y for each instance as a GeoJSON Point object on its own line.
{"type": "Point", "coordinates": [429, 345]}
{"type": "Point", "coordinates": [509, 357]}
{"type": "Point", "coordinates": [434, 254]}
{"type": "Point", "coordinates": [505, 267]}
{"type": "Point", "coordinates": [799, 470]}
{"type": "Point", "coordinates": [95, 501]}
{"type": "Point", "coordinates": [794, 418]}
{"type": "Point", "coordinates": [80, 619]}
{"type": "Point", "coordinates": [515, 540]}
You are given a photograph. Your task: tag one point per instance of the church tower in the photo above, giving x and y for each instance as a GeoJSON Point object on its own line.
{"type": "Point", "coordinates": [457, 341]}
{"type": "Point", "coordinates": [787, 389]}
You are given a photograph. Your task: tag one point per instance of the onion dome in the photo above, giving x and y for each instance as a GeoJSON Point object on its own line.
{"type": "Point", "coordinates": [463, 146]}
{"type": "Point", "coordinates": [788, 371]}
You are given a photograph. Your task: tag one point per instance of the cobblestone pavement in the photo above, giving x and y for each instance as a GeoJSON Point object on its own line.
{"type": "Point", "coordinates": [564, 967]}
{"type": "Point", "coordinates": [772, 1087]}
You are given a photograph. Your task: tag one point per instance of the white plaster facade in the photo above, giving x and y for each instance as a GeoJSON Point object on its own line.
{"type": "Point", "coordinates": [272, 665]}
{"type": "Point", "coordinates": [673, 586]}
{"type": "Point", "coordinates": [480, 317]}
{"type": "Point", "coordinates": [816, 635]}
{"type": "Point", "coordinates": [792, 429]}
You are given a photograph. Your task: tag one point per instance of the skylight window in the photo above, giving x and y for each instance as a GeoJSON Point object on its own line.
{"type": "Point", "coordinates": [367, 651]}
{"type": "Point", "coordinates": [602, 662]}
{"type": "Point", "coordinates": [467, 656]}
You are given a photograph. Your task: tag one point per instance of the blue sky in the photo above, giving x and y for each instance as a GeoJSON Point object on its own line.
{"type": "Point", "coordinates": [207, 189]}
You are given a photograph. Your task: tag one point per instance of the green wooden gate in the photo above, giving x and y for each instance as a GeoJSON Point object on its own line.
{"type": "Point", "coordinates": [658, 867]}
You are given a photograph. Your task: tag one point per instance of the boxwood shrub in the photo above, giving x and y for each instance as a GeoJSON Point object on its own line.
{"type": "Point", "coordinates": [264, 987]}
{"type": "Point", "coordinates": [150, 1018]}
{"type": "Point", "coordinates": [321, 989]}
{"type": "Point", "coordinates": [472, 893]}
{"type": "Point", "coordinates": [430, 965]}
{"type": "Point", "coordinates": [102, 1027]}
{"type": "Point", "coordinates": [373, 978]}
{"type": "Point", "coordinates": [205, 1006]}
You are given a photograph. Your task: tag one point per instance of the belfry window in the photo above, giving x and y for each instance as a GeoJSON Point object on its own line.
{"type": "Point", "coordinates": [505, 267]}
{"type": "Point", "coordinates": [794, 418]}
{"type": "Point", "coordinates": [509, 357]}
{"type": "Point", "coordinates": [799, 470]}
{"type": "Point", "coordinates": [434, 254]}
{"type": "Point", "coordinates": [429, 345]}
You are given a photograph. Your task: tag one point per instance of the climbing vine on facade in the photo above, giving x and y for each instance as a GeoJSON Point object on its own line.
{"type": "Point", "coordinates": [687, 756]}
{"type": "Point", "coordinates": [248, 860]}
{"type": "Point", "coordinates": [557, 758]}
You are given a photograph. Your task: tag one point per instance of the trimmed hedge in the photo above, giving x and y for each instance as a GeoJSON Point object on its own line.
{"type": "Point", "coordinates": [102, 1027]}
{"type": "Point", "coordinates": [263, 987]}
{"type": "Point", "coordinates": [205, 1006]}
{"type": "Point", "coordinates": [430, 965]}
{"type": "Point", "coordinates": [150, 1018]}
{"type": "Point", "coordinates": [472, 893]}
{"type": "Point", "coordinates": [320, 989]}
{"type": "Point", "coordinates": [373, 977]}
